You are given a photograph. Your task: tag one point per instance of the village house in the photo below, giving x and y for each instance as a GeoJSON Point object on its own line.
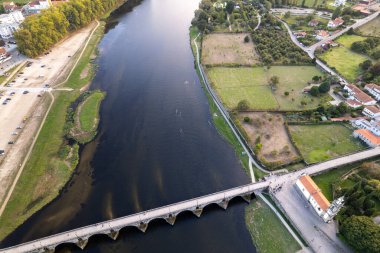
{"type": "Point", "coordinates": [35, 7]}
{"type": "Point", "coordinates": [3, 54]}
{"type": "Point", "coordinates": [371, 111]}
{"type": "Point", "coordinates": [374, 90]}
{"type": "Point", "coordinates": [335, 23]}
{"type": "Point", "coordinates": [313, 23]}
{"type": "Point", "coordinates": [357, 94]}
{"type": "Point", "coordinates": [300, 34]}
{"type": "Point", "coordinates": [311, 192]}
{"type": "Point", "coordinates": [368, 137]}
{"type": "Point", "coordinates": [9, 23]}
{"type": "Point", "coordinates": [9, 7]}
{"type": "Point", "coordinates": [322, 34]}
{"type": "Point", "coordinates": [353, 103]}
{"type": "Point", "coordinates": [339, 3]}
{"type": "Point", "coordinates": [362, 8]}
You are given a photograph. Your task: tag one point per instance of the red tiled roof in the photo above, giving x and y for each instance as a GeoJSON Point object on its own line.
{"type": "Point", "coordinates": [353, 103]}
{"type": "Point", "coordinates": [360, 95]}
{"type": "Point", "coordinates": [369, 136]}
{"type": "Point", "coordinates": [314, 191]}
{"type": "Point", "coordinates": [373, 86]}
{"type": "Point", "coordinates": [2, 50]}
{"type": "Point", "coordinates": [373, 109]}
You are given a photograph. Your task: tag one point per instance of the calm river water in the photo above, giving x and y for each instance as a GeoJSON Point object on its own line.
{"type": "Point", "coordinates": [156, 145]}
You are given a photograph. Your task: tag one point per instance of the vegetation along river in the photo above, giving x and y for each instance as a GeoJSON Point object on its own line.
{"type": "Point", "coordinates": [156, 145]}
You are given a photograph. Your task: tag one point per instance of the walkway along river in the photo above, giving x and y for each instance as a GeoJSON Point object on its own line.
{"type": "Point", "coordinates": [156, 145]}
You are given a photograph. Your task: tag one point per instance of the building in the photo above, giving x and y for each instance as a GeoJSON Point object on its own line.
{"type": "Point", "coordinates": [322, 34]}
{"type": "Point", "coordinates": [339, 3]}
{"type": "Point", "coordinates": [368, 137]}
{"type": "Point", "coordinates": [335, 23]}
{"type": "Point", "coordinates": [374, 90]}
{"type": "Point", "coordinates": [9, 23]}
{"type": "Point", "coordinates": [35, 7]}
{"type": "Point", "coordinates": [313, 23]}
{"type": "Point", "coordinates": [362, 8]}
{"type": "Point", "coordinates": [300, 34]}
{"type": "Point", "coordinates": [311, 192]}
{"type": "Point", "coordinates": [357, 94]}
{"type": "Point", "coordinates": [4, 56]}
{"type": "Point", "coordinates": [9, 7]}
{"type": "Point", "coordinates": [371, 111]}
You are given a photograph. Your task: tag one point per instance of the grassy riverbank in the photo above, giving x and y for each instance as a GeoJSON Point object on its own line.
{"type": "Point", "coordinates": [218, 120]}
{"type": "Point", "coordinates": [52, 160]}
{"type": "Point", "coordinates": [86, 117]}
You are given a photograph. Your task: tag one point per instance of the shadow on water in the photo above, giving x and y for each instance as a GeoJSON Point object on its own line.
{"type": "Point", "coordinates": [155, 145]}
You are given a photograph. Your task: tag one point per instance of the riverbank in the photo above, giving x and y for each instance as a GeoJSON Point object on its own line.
{"type": "Point", "coordinates": [85, 120]}
{"type": "Point", "coordinates": [52, 160]}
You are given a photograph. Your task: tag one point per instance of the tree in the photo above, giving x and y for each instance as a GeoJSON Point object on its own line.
{"type": "Point", "coordinates": [246, 39]}
{"type": "Point", "coordinates": [361, 233]}
{"type": "Point", "coordinates": [365, 65]}
{"type": "Point", "coordinates": [316, 78]}
{"type": "Point", "coordinates": [324, 87]}
{"type": "Point", "coordinates": [286, 93]}
{"type": "Point", "coordinates": [287, 14]}
{"type": "Point", "coordinates": [337, 12]}
{"type": "Point", "coordinates": [314, 91]}
{"type": "Point", "coordinates": [230, 7]}
{"type": "Point", "coordinates": [274, 81]}
{"type": "Point", "coordinates": [351, 31]}
{"type": "Point", "coordinates": [243, 105]}
{"type": "Point", "coordinates": [247, 119]}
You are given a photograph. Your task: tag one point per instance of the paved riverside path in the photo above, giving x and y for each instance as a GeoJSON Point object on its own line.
{"type": "Point", "coordinates": [140, 220]}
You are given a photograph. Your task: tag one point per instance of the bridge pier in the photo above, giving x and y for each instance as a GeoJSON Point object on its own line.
{"type": "Point", "coordinates": [81, 243]}
{"type": "Point", "coordinates": [197, 211]}
{"type": "Point", "coordinates": [247, 198]}
{"type": "Point", "coordinates": [171, 219]}
{"type": "Point", "coordinates": [113, 234]}
{"type": "Point", "coordinates": [224, 204]}
{"type": "Point", "coordinates": [142, 226]}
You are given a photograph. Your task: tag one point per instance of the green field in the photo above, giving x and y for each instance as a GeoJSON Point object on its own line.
{"type": "Point", "coordinates": [326, 180]}
{"type": "Point", "coordinates": [372, 28]}
{"type": "Point", "coordinates": [268, 233]}
{"type": "Point", "coordinates": [296, 20]}
{"type": "Point", "coordinates": [321, 142]}
{"type": "Point", "coordinates": [347, 40]}
{"type": "Point", "coordinates": [236, 84]}
{"type": "Point", "coordinates": [345, 61]}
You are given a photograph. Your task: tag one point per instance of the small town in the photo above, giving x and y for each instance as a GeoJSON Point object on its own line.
{"type": "Point", "coordinates": [260, 117]}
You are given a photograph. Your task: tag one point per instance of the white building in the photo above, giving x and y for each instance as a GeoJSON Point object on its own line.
{"type": "Point", "coordinates": [359, 95]}
{"type": "Point", "coordinates": [371, 111]}
{"type": "Point", "coordinates": [35, 7]}
{"type": "Point", "coordinates": [339, 3]}
{"type": "Point", "coordinates": [311, 192]}
{"type": "Point", "coordinates": [335, 23]}
{"type": "Point", "coordinates": [9, 23]}
{"type": "Point", "coordinates": [374, 90]}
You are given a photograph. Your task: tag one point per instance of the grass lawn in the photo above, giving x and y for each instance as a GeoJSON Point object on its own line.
{"type": "Point", "coordinates": [268, 233]}
{"type": "Point", "coordinates": [46, 172]}
{"type": "Point", "coordinates": [372, 28]}
{"type": "Point", "coordinates": [89, 113]}
{"type": "Point", "coordinates": [294, 20]}
{"type": "Point", "coordinates": [236, 84]}
{"type": "Point", "coordinates": [344, 61]}
{"type": "Point", "coordinates": [326, 180]}
{"type": "Point", "coordinates": [347, 40]}
{"type": "Point", "coordinates": [321, 142]}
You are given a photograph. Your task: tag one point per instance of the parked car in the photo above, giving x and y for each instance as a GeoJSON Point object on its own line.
{"type": "Point", "coordinates": [25, 92]}
{"type": "Point", "coordinates": [14, 133]}
{"type": "Point", "coordinates": [11, 142]}
{"type": "Point", "coordinates": [2, 151]}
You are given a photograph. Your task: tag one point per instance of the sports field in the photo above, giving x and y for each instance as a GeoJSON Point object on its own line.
{"type": "Point", "coordinates": [252, 84]}
{"type": "Point", "coordinates": [321, 142]}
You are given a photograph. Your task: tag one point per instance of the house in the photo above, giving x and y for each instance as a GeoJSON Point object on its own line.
{"type": "Point", "coordinates": [361, 124]}
{"type": "Point", "coordinates": [374, 90]}
{"type": "Point", "coordinates": [9, 6]}
{"type": "Point", "coordinates": [9, 23]}
{"type": "Point", "coordinates": [35, 7]}
{"type": "Point", "coordinates": [360, 96]}
{"type": "Point", "coordinates": [353, 103]}
{"type": "Point", "coordinates": [300, 34]}
{"type": "Point", "coordinates": [4, 56]}
{"type": "Point", "coordinates": [362, 8]}
{"type": "Point", "coordinates": [313, 23]}
{"type": "Point", "coordinates": [368, 137]}
{"type": "Point", "coordinates": [371, 111]}
{"type": "Point", "coordinates": [322, 34]}
{"type": "Point", "coordinates": [339, 3]}
{"type": "Point", "coordinates": [311, 192]}
{"type": "Point", "coordinates": [335, 23]}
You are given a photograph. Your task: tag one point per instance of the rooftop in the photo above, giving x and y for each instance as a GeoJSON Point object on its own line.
{"type": "Point", "coordinates": [359, 94]}
{"type": "Point", "coordinates": [314, 190]}
{"type": "Point", "coordinates": [369, 136]}
{"type": "Point", "coordinates": [373, 109]}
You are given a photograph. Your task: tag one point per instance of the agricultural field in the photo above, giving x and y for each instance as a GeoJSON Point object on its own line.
{"type": "Point", "coordinates": [345, 61]}
{"type": "Point", "coordinates": [300, 23]}
{"type": "Point", "coordinates": [219, 49]}
{"type": "Point", "coordinates": [268, 129]}
{"type": "Point", "coordinates": [347, 40]}
{"type": "Point", "coordinates": [236, 84]}
{"type": "Point", "coordinates": [268, 233]}
{"type": "Point", "coordinates": [372, 28]}
{"type": "Point", "coordinates": [321, 142]}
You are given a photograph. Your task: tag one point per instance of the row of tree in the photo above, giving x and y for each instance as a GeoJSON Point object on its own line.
{"type": "Point", "coordinates": [38, 33]}
{"type": "Point", "coordinates": [365, 46]}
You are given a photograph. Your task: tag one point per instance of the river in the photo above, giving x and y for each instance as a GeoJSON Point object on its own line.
{"type": "Point", "coordinates": [156, 145]}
